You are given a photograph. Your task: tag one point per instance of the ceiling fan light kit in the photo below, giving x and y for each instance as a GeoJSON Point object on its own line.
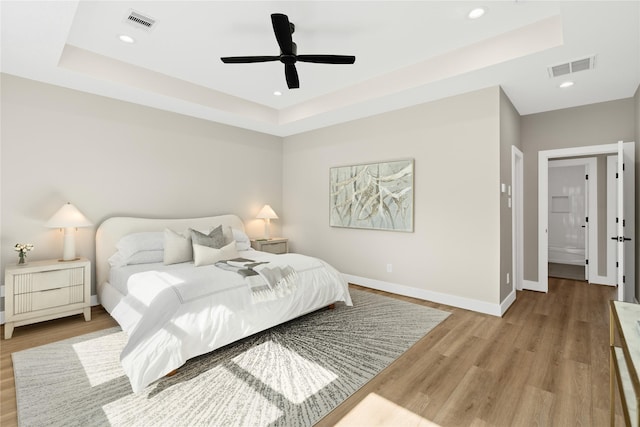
{"type": "Point", "coordinates": [283, 29]}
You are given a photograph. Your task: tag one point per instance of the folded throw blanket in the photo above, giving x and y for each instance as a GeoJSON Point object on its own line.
{"type": "Point", "coordinates": [266, 282]}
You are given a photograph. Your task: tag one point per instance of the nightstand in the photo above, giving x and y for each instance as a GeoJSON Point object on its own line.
{"type": "Point", "coordinates": [45, 290]}
{"type": "Point", "coordinates": [277, 245]}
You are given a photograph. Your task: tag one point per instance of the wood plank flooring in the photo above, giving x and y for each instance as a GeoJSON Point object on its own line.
{"type": "Point", "coordinates": [544, 363]}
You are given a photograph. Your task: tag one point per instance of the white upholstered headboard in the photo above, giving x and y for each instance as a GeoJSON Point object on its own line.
{"type": "Point", "coordinates": [113, 229]}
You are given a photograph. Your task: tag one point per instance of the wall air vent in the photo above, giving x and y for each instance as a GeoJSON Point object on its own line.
{"type": "Point", "coordinates": [139, 20]}
{"type": "Point", "coordinates": [572, 67]}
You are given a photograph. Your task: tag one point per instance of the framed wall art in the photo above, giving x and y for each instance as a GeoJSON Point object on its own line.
{"type": "Point", "coordinates": [375, 196]}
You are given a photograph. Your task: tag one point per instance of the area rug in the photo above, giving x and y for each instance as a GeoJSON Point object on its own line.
{"type": "Point", "coordinates": [290, 375]}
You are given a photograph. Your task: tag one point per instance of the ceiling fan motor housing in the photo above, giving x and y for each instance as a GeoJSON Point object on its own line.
{"type": "Point", "coordinates": [290, 59]}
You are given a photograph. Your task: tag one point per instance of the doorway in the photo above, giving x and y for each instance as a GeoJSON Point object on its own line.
{"type": "Point", "coordinates": [572, 217]}
{"type": "Point", "coordinates": [625, 209]}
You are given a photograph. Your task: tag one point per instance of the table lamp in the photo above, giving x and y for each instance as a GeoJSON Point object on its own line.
{"type": "Point", "coordinates": [267, 214]}
{"type": "Point", "coordinates": [68, 217]}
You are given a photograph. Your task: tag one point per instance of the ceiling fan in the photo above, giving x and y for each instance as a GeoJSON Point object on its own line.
{"type": "Point", "coordinates": [289, 52]}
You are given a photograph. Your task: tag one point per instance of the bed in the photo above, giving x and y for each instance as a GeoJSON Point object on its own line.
{"type": "Point", "coordinates": [177, 311]}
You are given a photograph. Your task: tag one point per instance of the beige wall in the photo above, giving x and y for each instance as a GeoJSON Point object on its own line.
{"type": "Point", "coordinates": [509, 136]}
{"type": "Point", "coordinates": [595, 124]}
{"type": "Point", "coordinates": [455, 248]}
{"type": "Point", "coordinates": [115, 158]}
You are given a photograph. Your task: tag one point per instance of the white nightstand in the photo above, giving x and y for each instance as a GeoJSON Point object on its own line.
{"type": "Point", "coordinates": [44, 290]}
{"type": "Point", "coordinates": [277, 245]}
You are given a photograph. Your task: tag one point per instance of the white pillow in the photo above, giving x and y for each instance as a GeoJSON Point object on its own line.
{"type": "Point", "coordinates": [243, 243]}
{"type": "Point", "coordinates": [205, 255]}
{"type": "Point", "coordinates": [177, 247]}
{"type": "Point", "coordinates": [117, 260]}
{"type": "Point", "coordinates": [141, 257]}
{"type": "Point", "coordinates": [146, 257]}
{"type": "Point", "coordinates": [136, 242]}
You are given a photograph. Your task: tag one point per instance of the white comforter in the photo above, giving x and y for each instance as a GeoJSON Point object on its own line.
{"type": "Point", "coordinates": [174, 313]}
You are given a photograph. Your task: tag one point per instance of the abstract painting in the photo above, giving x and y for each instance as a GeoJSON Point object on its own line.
{"type": "Point", "coordinates": [373, 196]}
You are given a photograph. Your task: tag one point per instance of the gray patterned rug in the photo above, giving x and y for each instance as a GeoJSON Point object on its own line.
{"type": "Point", "coordinates": [291, 375]}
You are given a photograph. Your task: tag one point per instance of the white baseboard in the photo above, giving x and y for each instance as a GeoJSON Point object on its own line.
{"type": "Point", "coordinates": [423, 294]}
{"type": "Point", "coordinates": [510, 299]}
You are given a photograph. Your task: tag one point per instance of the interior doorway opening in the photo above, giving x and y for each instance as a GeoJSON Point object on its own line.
{"type": "Point", "coordinates": [625, 259]}
{"type": "Point", "coordinates": [573, 218]}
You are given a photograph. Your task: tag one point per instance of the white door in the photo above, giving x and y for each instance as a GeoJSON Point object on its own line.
{"type": "Point", "coordinates": [611, 278]}
{"type": "Point", "coordinates": [626, 219]}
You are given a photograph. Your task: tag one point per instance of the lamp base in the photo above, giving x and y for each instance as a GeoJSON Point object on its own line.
{"type": "Point", "coordinates": [69, 260]}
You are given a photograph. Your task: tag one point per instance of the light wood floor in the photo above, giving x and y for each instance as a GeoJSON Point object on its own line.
{"type": "Point", "coordinates": [544, 363]}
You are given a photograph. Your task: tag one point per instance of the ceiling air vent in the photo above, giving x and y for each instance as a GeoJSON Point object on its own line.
{"type": "Point", "coordinates": [139, 20]}
{"type": "Point", "coordinates": [572, 67]}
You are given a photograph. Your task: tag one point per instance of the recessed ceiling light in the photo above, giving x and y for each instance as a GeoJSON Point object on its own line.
{"type": "Point", "coordinates": [477, 13]}
{"type": "Point", "coordinates": [126, 39]}
{"type": "Point", "coordinates": [277, 93]}
{"type": "Point", "coordinates": [566, 84]}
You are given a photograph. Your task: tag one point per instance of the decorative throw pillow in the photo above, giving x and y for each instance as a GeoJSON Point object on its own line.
{"type": "Point", "coordinates": [215, 239]}
{"type": "Point", "coordinates": [177, 247]}
{"type": "Point", "coordinates": [205, 255]}
{"type": "Point", "coordinates": [226, 232]}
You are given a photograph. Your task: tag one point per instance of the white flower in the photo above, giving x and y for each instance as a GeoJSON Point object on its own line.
{"type": "Point", "coordinates": [23, 248]}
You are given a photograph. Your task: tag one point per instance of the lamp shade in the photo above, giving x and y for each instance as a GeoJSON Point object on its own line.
{"type": "Point", "coordinates": [68, 216]}
{"type": "Point", "coordinates": [267, 213]}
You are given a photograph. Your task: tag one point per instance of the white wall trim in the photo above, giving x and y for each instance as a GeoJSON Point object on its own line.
{"type": "Point", "coordinates": [510, 299]}
{"type": "Point", "coordinates": [423, 294]}
{"type": "Point", "coordinates": [517, 220]}
{"type": "Point", "coordinates": [591, 168]}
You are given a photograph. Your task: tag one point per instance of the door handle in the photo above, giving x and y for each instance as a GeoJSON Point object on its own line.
{"type": "Point", "coordinates": [621, 239]}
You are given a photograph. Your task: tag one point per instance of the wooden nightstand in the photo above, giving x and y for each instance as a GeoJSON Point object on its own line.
{"type": "Point", "coordinates": [44, 290]}
{"type": "Point", "coordinates": [277, 245]}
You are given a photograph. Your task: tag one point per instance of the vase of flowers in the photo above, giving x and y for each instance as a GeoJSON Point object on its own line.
{"type": "Point", "coordinates": [22, 249]}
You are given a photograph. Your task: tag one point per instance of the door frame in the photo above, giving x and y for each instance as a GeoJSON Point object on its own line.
{"type": "Point", "coordinates": [542, 284]}
{"type": "Point", "coordinates": [517, 218]}
{"type": "Point", "coordinates": [590, 165]}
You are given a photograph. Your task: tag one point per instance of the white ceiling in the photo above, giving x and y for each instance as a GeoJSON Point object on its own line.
{"type": "Point", "coordinates": [407, 52]}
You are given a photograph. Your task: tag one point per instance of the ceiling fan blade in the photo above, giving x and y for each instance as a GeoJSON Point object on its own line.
{"type": "Point", "coordinates": [282, 30]}
{"type": "Point", "coordinates": [327, 59]}
{"type": "Point", "coordinates": [248, 59]}
{"type": "Point", "coordinates": [292, 76]}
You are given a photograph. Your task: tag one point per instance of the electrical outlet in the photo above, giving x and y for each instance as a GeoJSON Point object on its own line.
{"type": "Point", "coordinates": [508, 278]}
{"type": "Point", "coordinates": [389, 268]}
